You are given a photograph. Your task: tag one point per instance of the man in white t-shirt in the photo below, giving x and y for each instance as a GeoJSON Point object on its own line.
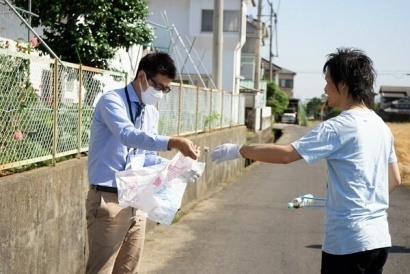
{"type": "Point", "coordinates": [362, 166]}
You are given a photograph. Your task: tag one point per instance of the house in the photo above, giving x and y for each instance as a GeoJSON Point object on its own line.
{"type": "Point", "coordinates": [248, 49]}
{"type": "Point", "coordinates": [394, 103]}
{"type": "Point", "coordinates": [258, 115]}
{"type": "Point", "coordinates": [11, 26]}
{"type": "Point", "coordinates": [184, 28]}
{"type": "Point", "coordinates": [283, 77]}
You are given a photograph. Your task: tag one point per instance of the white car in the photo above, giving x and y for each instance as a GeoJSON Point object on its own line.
{"type": "Point", "coordinates": [289, 118]}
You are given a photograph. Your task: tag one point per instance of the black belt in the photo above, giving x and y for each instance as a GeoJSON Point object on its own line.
{"type": "Point", "coordinates": [104, 188]}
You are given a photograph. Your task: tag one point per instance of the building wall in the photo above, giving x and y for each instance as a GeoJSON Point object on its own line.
{"type": "Point", "coordinates": [12, 27]}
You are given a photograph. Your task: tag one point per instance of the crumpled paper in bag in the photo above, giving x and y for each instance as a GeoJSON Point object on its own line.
{"type": "Point", "coordinates": [156, 190]}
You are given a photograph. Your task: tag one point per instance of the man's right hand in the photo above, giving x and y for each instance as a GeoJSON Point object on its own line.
{"type": "Point", "coordinates": [225, 152]}
{"type": "Point", "coordinates": [185, 146]}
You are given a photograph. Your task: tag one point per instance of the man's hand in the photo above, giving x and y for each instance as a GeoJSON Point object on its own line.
{"type": "Point", "coordinates": [225, 152]}
{"type": "Point", "coordinates": [185, 146]}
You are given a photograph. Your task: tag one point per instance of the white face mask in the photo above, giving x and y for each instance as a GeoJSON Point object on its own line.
{"type": "Point", "coordinates": [150, 96]}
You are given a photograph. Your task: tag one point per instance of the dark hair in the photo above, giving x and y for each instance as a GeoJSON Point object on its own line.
{"type": "Point", "coordinates": [157, 63]}
{"type": "Point", "coordinates": [354, 68]}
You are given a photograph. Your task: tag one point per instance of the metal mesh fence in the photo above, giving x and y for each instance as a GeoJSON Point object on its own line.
{"type": "Point", "coordinates": [46, 108]}
{"type": "Point", "coordinates": [226, 109]}
{"type": "Point", "coordinates": [188, 109]}
{"type": "Point", "coordinates": [169, 112]}
{"type": "Point", "coordinates": [25, 118]}
{"type": "Point", "coordinates": [204, 111]}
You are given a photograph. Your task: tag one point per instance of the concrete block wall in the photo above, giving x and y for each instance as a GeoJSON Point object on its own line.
{"type": "Point", "coordinates": [42, 211]}
{"type": "Point", "coordinates": [43, 219]}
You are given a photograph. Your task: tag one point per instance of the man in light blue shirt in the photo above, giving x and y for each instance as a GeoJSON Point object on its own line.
{"type": "Point", "coordinates": [362, 167]}
{"type": "Point", "coordinates": [124, 133]}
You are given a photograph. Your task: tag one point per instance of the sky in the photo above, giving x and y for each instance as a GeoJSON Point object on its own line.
{"type": "Point", "coordinates": [308, 30]}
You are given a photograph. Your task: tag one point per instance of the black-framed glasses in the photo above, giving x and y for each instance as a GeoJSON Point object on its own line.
{"type": "Point", "coordinates": [159, 86]}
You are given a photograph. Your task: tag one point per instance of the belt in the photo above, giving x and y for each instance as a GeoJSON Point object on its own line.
{"type": "Point", "coordinates": [104, 188]}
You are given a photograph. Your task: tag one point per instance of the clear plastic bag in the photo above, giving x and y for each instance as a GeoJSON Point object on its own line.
{"type": "Point", "coordinates": [156, 190]}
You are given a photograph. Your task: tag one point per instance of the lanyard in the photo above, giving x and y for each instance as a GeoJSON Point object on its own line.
{"type": "Point", "coordinates": [132, 117]}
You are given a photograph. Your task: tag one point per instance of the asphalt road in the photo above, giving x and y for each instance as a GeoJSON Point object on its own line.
{"type": "Point", "coordinates": [247, 228]}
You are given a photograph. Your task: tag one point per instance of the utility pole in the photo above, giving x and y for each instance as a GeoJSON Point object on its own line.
{"type": "Point", "coordinates": [270, 43]}
{"type": "Point", "coordinates": [217, 43]}
{"type": "Point", "coordinates": [258, 47]}
{"type": "Point", "coordinates": [29, 20]}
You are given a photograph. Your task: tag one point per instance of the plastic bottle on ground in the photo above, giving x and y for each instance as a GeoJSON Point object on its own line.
{"type": "Point", "coordinates": [302, 201]}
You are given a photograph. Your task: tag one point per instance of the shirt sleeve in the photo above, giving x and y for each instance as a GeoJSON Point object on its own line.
{"type": "Point", "coordinates": [113, 113]}
{"type": "Point", "coordinates": [318, 144]}
{"type": "Point", "coordinates": [392, 156]}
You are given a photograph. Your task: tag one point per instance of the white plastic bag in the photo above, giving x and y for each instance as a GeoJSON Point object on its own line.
{"type": "Point", "coordinates": [156, 190]}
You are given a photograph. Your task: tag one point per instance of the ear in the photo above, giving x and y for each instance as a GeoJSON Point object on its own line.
{"type": "Point", "coordinates": [343, 87]}
{"type": "Point", "coordinates": [140, 75]}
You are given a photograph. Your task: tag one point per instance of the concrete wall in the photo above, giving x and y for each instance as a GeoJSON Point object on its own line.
{"type": "Point", "coordinates": [42, 212]}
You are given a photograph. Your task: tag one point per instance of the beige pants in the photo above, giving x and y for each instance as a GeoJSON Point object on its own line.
{"type": "Point", "coordinates": [115, 235]}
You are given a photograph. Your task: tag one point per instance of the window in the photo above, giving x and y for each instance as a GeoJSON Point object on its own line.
{"type": "Point", "coordinates": [286, 83]}
{"type": "Point", "coordinates": [207, 20]}
{"type": "Point", "coordinates": [230, 21]}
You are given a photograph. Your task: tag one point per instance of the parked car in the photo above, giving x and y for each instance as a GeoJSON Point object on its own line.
{"type": "Point", "coordinates": [289, 118]}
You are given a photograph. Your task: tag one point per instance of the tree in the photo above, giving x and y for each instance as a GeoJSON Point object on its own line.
{"type": "Point", "coordinates": [91, 31]}
{"type": "Point", "coordinates": [313, 107]}
{"type": "Point", "coordinates": [276, 99]}
{"type": "Point", "coordinates": [271, 88]}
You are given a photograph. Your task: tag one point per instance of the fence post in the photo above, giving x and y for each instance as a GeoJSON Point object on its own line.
{"type": "Point", "coordinates": [179, 107]}
{"type": "Point", "coordinates": [55, 113]}
{"type": "Point", "coordinates": [210, 112]}
{"type": "Point", "coordinates": [196, 110]}
{"type": "Point", "coordinates": [222, 109]}
{"type": "Point", "coordinates": [238, 113]}
{"type": "Point", "coordinates": [231, 116]}
{"type": "Point", "coordinates": [80, 110]}
{"type": "Point", "coordinates": [126, 78]}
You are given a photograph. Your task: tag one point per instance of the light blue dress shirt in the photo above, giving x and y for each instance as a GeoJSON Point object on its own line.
{"type": "Point", "coordinates": [113, 136]}
{"type": "Point", "coordinates": [357, 146]}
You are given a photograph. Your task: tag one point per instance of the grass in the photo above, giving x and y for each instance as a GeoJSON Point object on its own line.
{"type": "Point", "coordinates": [401, 133]}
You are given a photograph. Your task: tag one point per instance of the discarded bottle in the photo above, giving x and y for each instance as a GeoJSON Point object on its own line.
{"type": "Point", "coordinates": [302, 201]}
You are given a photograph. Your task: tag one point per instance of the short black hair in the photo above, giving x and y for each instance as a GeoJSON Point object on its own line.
{"type": "Point", "coordinates": [353, 67]}
{"type": "Point", "coordinates": [157, 63]}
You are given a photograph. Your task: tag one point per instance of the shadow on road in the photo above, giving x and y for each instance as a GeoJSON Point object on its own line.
{"type": "Point", "coordinates": [399, 249]}
{"type": "Point", "coordinates": [393, 249]}
{"type": "Point", "coordinates": [314, 246]}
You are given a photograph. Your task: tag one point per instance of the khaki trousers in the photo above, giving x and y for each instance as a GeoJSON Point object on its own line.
{"type": "Point", "coordinates": [115, 235]}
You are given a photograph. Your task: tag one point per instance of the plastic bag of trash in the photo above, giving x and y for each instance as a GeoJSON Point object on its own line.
{"type": "Point", "coordinates": [156, 190]}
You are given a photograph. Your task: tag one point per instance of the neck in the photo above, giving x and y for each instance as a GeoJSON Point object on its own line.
{"type": "Point", "coordinates": [357, 106]}
{"type": "Point", "coordinates": [137, 89]}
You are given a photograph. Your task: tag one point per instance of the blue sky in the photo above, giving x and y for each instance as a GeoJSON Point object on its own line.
{"type": "Point", "coordinates": [308, 30]}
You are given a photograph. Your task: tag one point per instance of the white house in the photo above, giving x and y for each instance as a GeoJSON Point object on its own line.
{"type": "Point", "coordinates": [184, 28]}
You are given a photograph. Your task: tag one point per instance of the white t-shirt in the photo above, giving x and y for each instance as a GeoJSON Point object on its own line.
{"type": "Point", "coordinates": [357, 146]}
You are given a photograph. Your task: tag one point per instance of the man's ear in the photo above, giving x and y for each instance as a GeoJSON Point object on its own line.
{"type": "Point", "coordinates": [343, 87]}
{"type": "Point", "coordinates": [140, 75]}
